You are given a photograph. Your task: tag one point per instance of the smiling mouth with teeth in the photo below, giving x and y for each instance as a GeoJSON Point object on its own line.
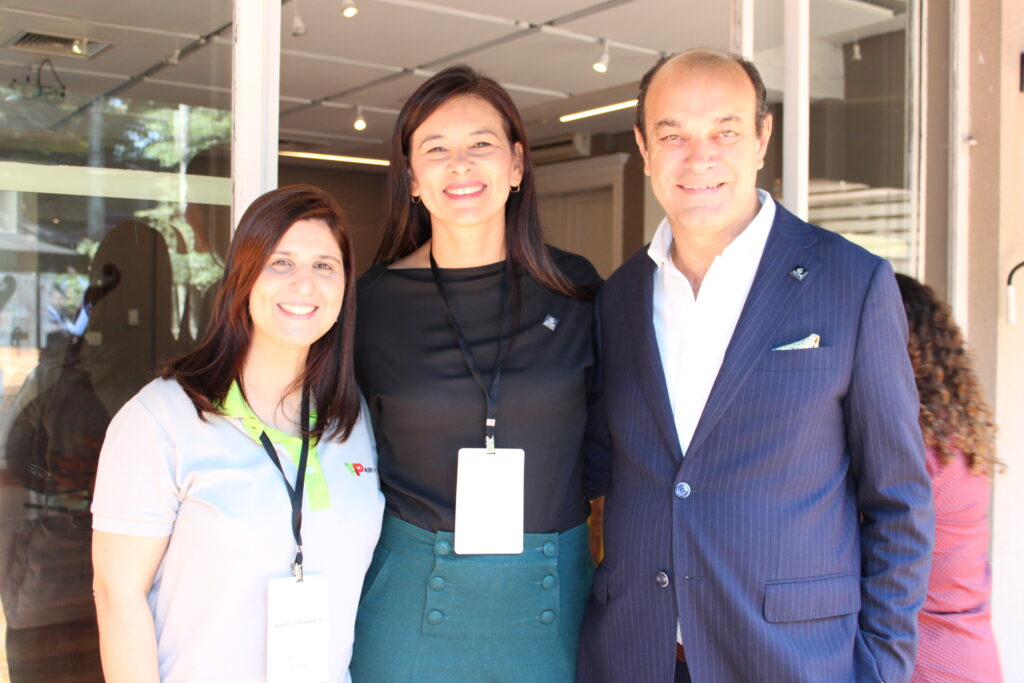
{"type": "Point", "coordinates": [297, 310]}
{"type": "Point", "coordinates": [701, 187]}
{"type": "Point", "coordinates": [464, 190]}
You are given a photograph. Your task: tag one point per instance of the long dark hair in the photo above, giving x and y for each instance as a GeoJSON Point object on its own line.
{"type": "Point", "coordinates": [206, 373]}
{"type": "Point", "coordinates": [407, 225]}
{"type": "Point", "coordinates": [954, 416]}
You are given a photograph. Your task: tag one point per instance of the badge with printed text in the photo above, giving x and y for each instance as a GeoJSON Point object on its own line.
{"type": "Point", "coordinates": [489, 502]}
{"type": "Point", "coordinates": [297, 630]}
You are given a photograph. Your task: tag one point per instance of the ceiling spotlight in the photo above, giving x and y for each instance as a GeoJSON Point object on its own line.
{"type": "Point", "coordinates": [175, 57]}
{"type": "Point", "coordinates": [856, 53]}
{"type": "Point", "coordinates": [349, 9]}
{"type": "Point", "coordinates": [360, 122]}
{"type": "Point", "coordinates": [80, 47]}
{"type": "Point", "coordinates": [601, 65]}
{"type": "Point", "coordinates": [298, 25]}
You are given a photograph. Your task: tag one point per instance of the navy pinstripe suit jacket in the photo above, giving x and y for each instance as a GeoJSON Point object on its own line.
{"type": "Point", "coordinates": [802, 550]}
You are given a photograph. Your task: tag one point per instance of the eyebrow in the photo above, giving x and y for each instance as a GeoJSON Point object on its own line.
{"type": "Point", "coordinates": [672, 123]}
{"type": "Point", "coordinates": [428, 139]}
{"type": "Point", "coordinates": [282, 252]}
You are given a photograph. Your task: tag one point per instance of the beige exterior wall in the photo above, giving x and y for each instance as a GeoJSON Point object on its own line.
{"type": "Point", "coordinates": [1005, 179]}
{"type": "Point", "coordinates": [995, 41]}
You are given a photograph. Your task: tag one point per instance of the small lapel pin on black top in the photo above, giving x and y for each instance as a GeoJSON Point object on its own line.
{"type": "Point", "coordinates": [550, 322]}
{"type": "Point", "coordinates": [798, 273]}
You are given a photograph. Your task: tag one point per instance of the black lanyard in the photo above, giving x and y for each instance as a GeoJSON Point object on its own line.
{"type": "Point", "coordinates": [492, 394]}
{"type": "Point", "coordinates": [294, 492]}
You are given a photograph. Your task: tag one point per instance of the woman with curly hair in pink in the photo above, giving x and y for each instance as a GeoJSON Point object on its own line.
{"type": "Point", "coordinates": [955, 641]}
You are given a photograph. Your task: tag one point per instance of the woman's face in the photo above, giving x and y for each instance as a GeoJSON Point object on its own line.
{"type": "Point", "coordinates": [298, 295]}
{"type": "Point", "coordinates": [462, 165]}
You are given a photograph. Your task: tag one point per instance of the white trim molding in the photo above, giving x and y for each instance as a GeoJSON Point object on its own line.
{"type": "Point", "coordinates": [255, 88]}
{"type": "Point", "coordinates": [960, 143]}
{"type": "Point", "coordinates": [115, 183]}
{"type": "Point", "coordinates": [796, 107]}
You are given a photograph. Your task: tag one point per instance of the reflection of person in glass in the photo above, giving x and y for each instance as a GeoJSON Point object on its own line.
{"type": "Point", "coordinates": [53, 445]}
{"type": "Point", "coordinates": [52, 448]}
{"type": "Point", "coordinates": [129, 325]}
{"type": "Point", "coordinates": [955, 640]}
{"type": "Point", "coordinates": [195, 513]}
{"type": "Point", "coordinates": [465, 294]}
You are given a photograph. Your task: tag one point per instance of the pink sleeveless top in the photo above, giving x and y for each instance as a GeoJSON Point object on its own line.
{"type": "Point", "coordinates": [955, 641]}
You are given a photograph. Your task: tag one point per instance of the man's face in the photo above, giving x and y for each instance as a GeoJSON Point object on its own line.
{"type": "Point", "coordinates": [702, 150]}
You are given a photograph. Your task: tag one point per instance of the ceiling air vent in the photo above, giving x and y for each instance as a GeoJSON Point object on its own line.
{"type": "Point", "coordinates": [60, 46]}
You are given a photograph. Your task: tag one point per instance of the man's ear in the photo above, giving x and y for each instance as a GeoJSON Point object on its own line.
{"type": "Point", "coordinates": [642, 146]}
{"type": "Point", "coordinates": [763, 138]}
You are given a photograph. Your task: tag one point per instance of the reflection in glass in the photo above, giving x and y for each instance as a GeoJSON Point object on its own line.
{"type": "Point", "coordinates": [861, 165]}
{"type": "Point", "coordinates": [113, 224]}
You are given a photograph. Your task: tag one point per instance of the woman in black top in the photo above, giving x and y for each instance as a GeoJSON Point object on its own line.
{"type": "Point", "coordinates": [473, 334]}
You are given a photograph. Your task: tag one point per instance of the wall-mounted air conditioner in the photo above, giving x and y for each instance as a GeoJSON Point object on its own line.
{"type": "Point", "coordinates": [562, 148]}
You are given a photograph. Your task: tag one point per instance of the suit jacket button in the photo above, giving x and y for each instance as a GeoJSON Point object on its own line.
{"type": "Point", "coordinates": [547, 617]}
{"type": "Point", "coordinates": [443, 547]}
{"type": "Point", "coordinates": [661, 578]}
{"type": "Point", "coordinates": [682, 490]}
{"type": "Point", "coordinates": [435, 617]}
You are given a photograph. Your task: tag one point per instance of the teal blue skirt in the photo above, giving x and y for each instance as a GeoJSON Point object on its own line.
{"type": "Point", "coordinates": [427, 614]}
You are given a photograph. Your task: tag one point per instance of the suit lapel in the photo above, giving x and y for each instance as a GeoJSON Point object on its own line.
{"type": "Point", "coordinates": [772, 294]}
{"type": "Point", "coordinates": [648, 359]}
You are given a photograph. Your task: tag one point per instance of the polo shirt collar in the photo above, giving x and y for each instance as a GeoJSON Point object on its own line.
{"type": "Point", "coordinates": [234, 405]}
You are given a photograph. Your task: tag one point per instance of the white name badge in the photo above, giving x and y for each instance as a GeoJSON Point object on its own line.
{"type": "Point", "coordinates": [297, 630]}
{"type": "Point", "coordinates": [489, 502]}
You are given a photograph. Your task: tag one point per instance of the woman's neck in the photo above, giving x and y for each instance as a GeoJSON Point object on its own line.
{"type": "Point", "coordinates": [456, 246]}
{"type": "Point", "coordinates": [268, 379]}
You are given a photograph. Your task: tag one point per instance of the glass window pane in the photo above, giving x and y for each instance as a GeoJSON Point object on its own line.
{"type": "Point", "coordinates": [114, 223]}
{"type": "Point", "coordinates": [860, 151]}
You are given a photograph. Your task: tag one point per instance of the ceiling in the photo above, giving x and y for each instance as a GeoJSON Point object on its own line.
{"type": "Point", "coordinates": [541, 50]}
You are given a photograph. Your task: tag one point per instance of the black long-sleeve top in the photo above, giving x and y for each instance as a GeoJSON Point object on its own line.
{"type": "Point", "coordinates": [425, 405]}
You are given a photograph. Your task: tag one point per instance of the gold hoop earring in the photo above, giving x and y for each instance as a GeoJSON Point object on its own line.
{"type": "Point", "coordinates": [416, 199]}
{"type": "Point", "coordinates": [514, 189]}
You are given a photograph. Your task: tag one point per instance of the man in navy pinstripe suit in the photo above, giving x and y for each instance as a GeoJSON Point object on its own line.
{"type": "Point", "coordinates": [768, 513]}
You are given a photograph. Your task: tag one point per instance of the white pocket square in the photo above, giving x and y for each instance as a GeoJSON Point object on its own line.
{"type": "Point", "coordinates": [811, 341]}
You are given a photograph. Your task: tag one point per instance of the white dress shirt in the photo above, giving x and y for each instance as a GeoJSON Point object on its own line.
{"type": "Point", "coordinates": [694, 332]}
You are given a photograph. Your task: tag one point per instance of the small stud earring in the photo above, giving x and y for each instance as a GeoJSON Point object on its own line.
{"type": "Point", "coordinates": [514, 189]}
{"type": "Point", "coordinates": [416, 199]}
